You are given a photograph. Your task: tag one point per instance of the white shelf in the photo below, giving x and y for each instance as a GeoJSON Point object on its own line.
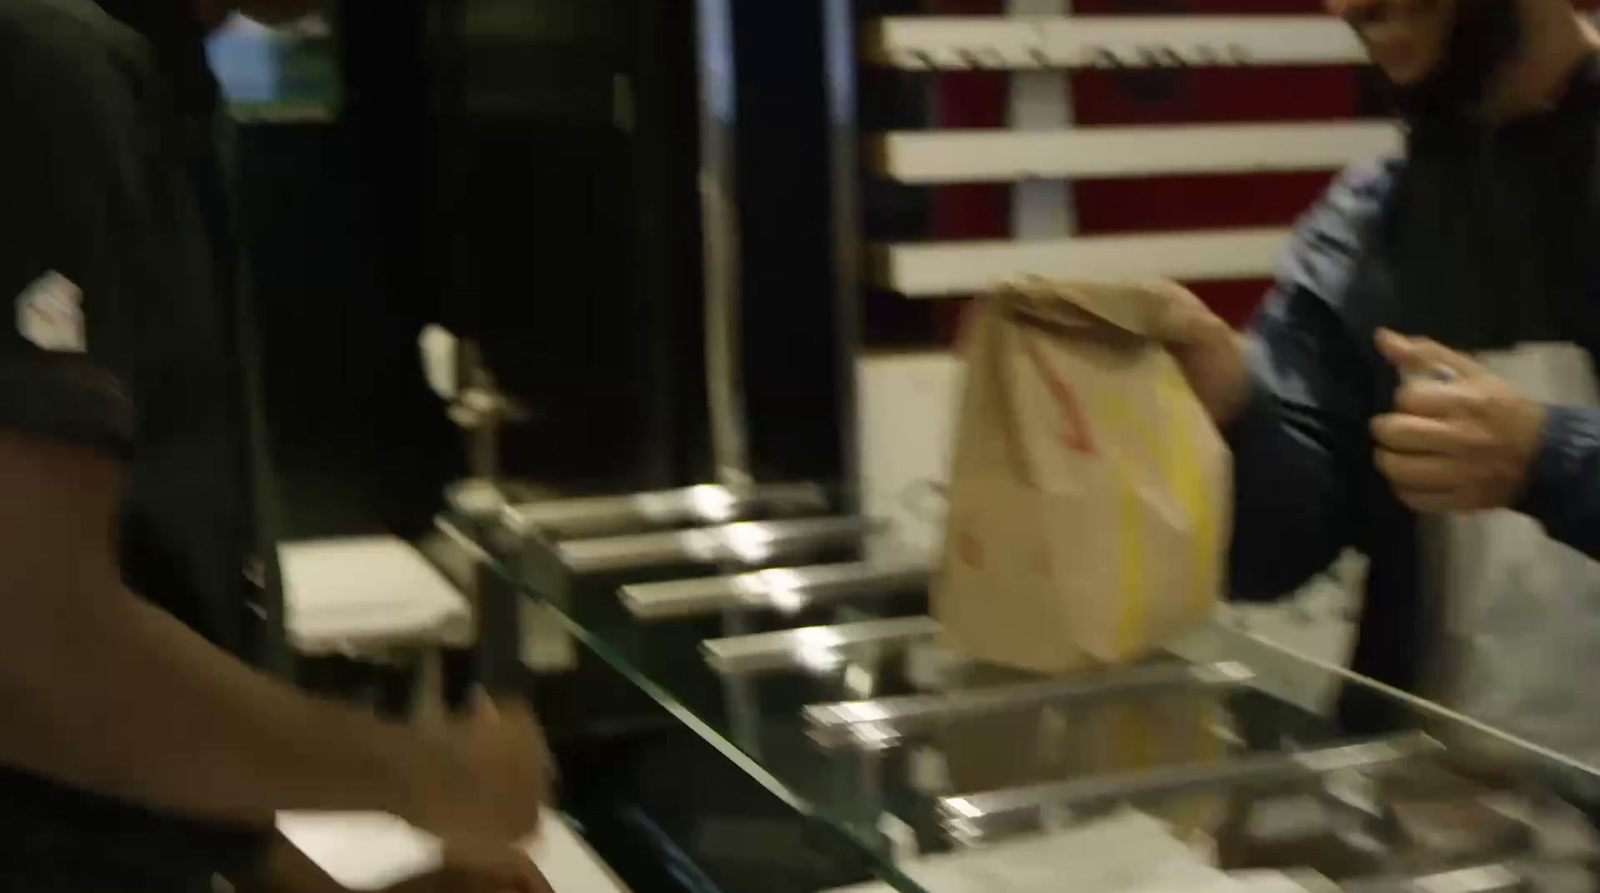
{"type": "Point", "coordinates": [936, 269]}
{"type": "Point", "coordinates": [1024, 42]}
{"type": "Point", "coordinates": [975, 156]}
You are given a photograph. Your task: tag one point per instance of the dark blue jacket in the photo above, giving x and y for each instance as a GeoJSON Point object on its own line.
{"type": "Point", "coordinates": [1481, 239]}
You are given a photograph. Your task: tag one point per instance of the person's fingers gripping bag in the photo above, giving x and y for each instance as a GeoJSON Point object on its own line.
{"type": "Point", "coordinates": [1090, 493]}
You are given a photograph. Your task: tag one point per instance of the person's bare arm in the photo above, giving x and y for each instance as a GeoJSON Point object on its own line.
{"type": "Point", "coordinates": [99, 688]}
{"type": "Point", "coordinates": [104, 691]}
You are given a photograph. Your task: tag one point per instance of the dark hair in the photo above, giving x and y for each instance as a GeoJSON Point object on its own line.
{"type": "Point", "coordinates": [1485, 35]}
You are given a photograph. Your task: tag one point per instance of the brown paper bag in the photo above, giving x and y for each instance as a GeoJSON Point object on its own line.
{"type": "Point", "coordinates": [1090, 499]}
{"type": "Point", "coordinates": [1126, 733]}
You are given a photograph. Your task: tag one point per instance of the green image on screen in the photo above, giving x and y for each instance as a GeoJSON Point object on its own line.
{"type": "Point", "coordinates": [276, 73]}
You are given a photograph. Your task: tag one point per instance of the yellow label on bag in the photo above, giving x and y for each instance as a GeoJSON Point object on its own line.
{"type": "Point", "coordinates": [1131, 606]}
{"type": "Point", "coordinates": [1188, 485]}
{"type": "Point", "coordinates": [1130, 549]}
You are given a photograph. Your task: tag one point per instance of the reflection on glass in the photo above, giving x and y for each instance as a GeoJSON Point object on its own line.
{"type": "Point", "coordinates": [713, 504]}
{"type": "Point", "coordinates": [751, 542]}
{"type": "Point", "coordinates": [818, 660]}
{"type": "Point", "coordinates": [781, 589]}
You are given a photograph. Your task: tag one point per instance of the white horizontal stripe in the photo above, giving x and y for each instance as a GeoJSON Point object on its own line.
{"type": "Point", "coordinates": [1021, 42]}
{"type": "Point", "coordinates": [971, 156]}
{"type": "Point", "coordinates": [934, 269]}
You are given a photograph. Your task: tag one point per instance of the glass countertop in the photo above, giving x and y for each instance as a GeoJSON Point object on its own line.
{"type": "Point", "coordinates": [816, 674]}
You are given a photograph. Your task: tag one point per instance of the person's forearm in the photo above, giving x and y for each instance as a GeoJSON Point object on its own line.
{"type": "Point", "coordinates": [1563, 486]}
{"type": "Point", "coordinates": [1286, 503]}
{"type": "Point", "coordinates": [108, 693]}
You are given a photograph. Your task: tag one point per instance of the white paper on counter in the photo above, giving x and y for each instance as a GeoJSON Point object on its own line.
{"type": "Point", "coordinates": [1129, 852]}
{"type": "Point", "coordinates": [370, 850]}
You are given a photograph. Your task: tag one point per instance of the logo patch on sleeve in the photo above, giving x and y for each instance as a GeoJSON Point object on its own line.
{"type": "Point", "coordinates": [50, 314]}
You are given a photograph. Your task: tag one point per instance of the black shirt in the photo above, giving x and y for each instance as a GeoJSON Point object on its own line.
{"type": "Point", "coordinates": [129, 334]}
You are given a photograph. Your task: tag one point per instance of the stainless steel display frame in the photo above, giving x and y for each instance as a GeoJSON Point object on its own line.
{"type": "Point", "coordinates": [978, 816]}
{"type": "Point", "coordinates": [780, 589]}
{"type": "Point", "coordinates": [816, 647]}
{"type": "Point", "coordinates": [701, 504]}
{"type": "Point", "coordinates": [874, 725]}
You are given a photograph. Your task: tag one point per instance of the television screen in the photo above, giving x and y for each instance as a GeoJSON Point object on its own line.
{"type": "Point", "coordinates": [283, 73]}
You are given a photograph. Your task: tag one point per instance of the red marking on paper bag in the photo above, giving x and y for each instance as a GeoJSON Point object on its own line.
{"type": "Point", "coordinates": [970, 547]}
{"type": "Point", "coordinates": [1074, 427]}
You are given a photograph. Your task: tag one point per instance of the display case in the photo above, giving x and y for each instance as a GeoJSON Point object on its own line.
{"type": "Point", "coordinates": [895, 761]}
{"type": "Point", "coordinates": [756, 633]}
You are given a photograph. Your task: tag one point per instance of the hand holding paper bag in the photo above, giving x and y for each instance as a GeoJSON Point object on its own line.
{"type": "Point", "coordinates": [1090, 498]}
{"type": "Point", "coordinates": [1210, 352]}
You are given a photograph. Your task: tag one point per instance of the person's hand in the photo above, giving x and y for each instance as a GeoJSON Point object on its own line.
{"type": "Point", "coordinates": [485, 782]}
{"type": "Point", "coordinates": [1210, 352]}
{"type": "Point", "coordinates": [1460, 439]}
{"type": "Point", "coordinates": [510, 871]}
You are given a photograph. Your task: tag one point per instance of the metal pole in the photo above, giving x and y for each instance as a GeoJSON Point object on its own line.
{"type": "Point", "coordinates": [844, 138]}
{"type": "Point", "coordinates": [719, 221]}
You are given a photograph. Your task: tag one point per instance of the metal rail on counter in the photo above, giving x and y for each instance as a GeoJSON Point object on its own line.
{"type": "Point", "coordinates": [782, 589]}
{"type": "Point", "coordinates": [719, 228]}
{"type": "Point", "coordinates": [972, 817]}
{"type": "Point", "coordinates": [812, 647]}
{"type": "Point", "coordinates": [748, 543]}
{"type": "Point", "coordinates": [881, 723]}
{"type": "Point", "coordinates": [599, 516]}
